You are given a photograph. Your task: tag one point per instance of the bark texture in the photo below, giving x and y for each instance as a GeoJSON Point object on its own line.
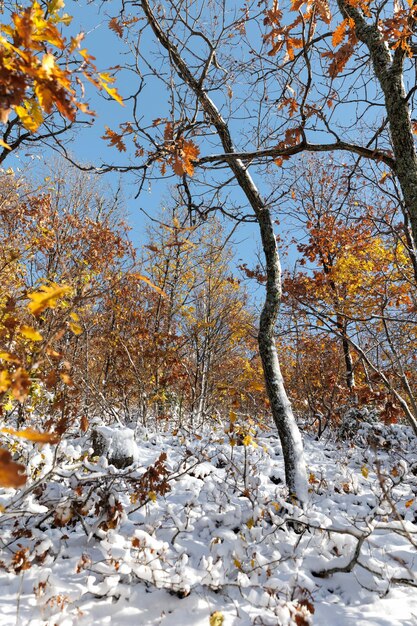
{"type": "Point", "coordinates": [388, 67]}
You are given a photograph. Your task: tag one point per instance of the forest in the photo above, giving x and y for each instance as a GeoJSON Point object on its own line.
{"type": "Point", "coordinates": [208, 313]}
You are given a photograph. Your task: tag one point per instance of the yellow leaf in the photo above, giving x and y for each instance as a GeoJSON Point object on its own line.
{"type": "Point", "coordinates": [66, 19]}
{"type": "Point", "coordinates": [46, 297]}
{"type": "Point", "coordinates": [31, 435]}
{"type": "Point", "coordinates": [55, 5]}
{"type": "Point", "coordinates": [250, 523]}
{"type": "Point", "coordinates": [48, 63]}
{"type": "Point", "coordinates": [30, 333]}
{"type": "Point", "coordinates": [76, 328]}
{"type": "Point", "coordinates": [247, 440]}
{"type": "Point", "coordinates": [3, 144]}
{"type": "Point", "coordinates": [364, 471]}
{"type": "Point", "coordinates": [30, 115]}
{"type": "Point", "coordinates": [104, 79]}
{"type": "Point", "coordinates": [152, 496]}
{"type": "Point", "coordinates": [5, 381]}
{"type": "Point", "coordinates": [74, 316]}
{"type": "Point", "coordinates": [216, 619]}
{"type": "Point", "coordinates": [10, 358]}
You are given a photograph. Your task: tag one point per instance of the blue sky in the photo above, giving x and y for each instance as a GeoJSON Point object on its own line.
{"type": "Point", "coordinates": [88, 147]}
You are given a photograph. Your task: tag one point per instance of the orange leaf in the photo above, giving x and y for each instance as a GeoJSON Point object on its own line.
{"type": "Point", "coordinates": [150, 283]}
{"type": "Point", "coordinates": [32, 435]}
{"type": "Point", "coordinates": [66, 378]}
{"type": "Point", "coordinates": [114, 139]}
{"type": "Point", "coordinates": [84, 423]}
{"type": "Point", "coordinates": [339, 33]}
{"type": "Point", "coordinates": [190, 152]}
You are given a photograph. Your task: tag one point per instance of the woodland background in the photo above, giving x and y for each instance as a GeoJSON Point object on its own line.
{"type": "Point", "coordinates": [288, 124]}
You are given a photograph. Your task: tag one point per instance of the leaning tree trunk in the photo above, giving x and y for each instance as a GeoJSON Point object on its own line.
{"type": "Point", "coordinates": [289, 434]}
{"type": "Point", "coordinates": [292, 447]}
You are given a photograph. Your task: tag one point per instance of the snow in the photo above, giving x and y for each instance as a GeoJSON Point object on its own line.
{"type": "Point", "coordinates": [97, 545]}
{"type": "Point", "coordinates": [119, 446]}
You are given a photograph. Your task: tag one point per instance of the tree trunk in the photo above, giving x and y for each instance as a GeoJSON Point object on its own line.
{"type": "Point", "coordinates": [388, 68]}
{"type": "Point", "coordinates": [289, 434]}
{"type": "Point", "coordinates": [350, 374]}
{"type": "Point", "coordinates": [295, 471]}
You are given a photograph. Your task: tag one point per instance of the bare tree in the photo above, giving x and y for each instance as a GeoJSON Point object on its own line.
{"type": "Point", "coordinates": [192, 76]}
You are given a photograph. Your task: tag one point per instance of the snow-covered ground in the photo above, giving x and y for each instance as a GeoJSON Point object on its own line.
{"type": "Point", "coordinates": [209, 531]}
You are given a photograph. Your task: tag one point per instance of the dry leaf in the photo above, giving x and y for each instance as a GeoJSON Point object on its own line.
{"type": "Point", "coordinates": [20, 384]}
{"type": "Point", "coordinates": [10, 472]}
{"type": "Point", "coordinates": [150, 283]}
{"type": "Point", "coordinates": [31, 435]}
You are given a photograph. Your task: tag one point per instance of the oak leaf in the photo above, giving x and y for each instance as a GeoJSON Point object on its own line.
{"type": "Point", "coordinates": [116, 26]}
{"type": "Point", "coordinates": [114, 139]}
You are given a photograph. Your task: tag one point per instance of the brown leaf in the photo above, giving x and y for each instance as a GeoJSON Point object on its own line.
{"type": "Point", "coordinates": [20, 384]}
{"type": "Point", "coordinates": [10, 472]}
{"type": "Point", "coordinates": [114, 139]}
{"type": "Point", "coordinates": [84, 423]}
{"type": "Point", "coordinates": [116, 26]}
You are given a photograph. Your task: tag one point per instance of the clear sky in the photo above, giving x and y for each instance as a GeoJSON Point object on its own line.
{"type": "Point", "coordinates": [88, 147]}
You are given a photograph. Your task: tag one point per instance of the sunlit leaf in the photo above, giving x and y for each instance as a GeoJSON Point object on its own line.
{"type": "Point", "coordinates": [150, 283]}
{"type": "Point", "coordinates": [30, 333]}
{"type": "Point", "coordinates": [31, 435]}
{"type": "Point", "coordinates": [46, 297]}
{"type": "Point", "coordinates": [76, 328]}
{"type": "Point", "coordinates": [5, 381]}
